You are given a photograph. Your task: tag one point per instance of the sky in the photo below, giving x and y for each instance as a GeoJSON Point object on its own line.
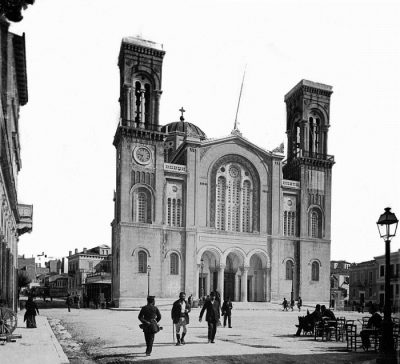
{"type": "Point", "coordinates": [67, 127]}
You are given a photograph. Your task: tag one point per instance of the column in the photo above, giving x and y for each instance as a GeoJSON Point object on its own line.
{"type": "Point", "coordinates": [264, 285]}
{"type": "Point", "coordinates": [244, 284]}
{"type": "Point", "coordinates": [221, 276]}
{"type": "Point", "coordinates": [237, 293]}
{"type": "Point", "coordinates": [267, 284]}
{"type": "Point", "coordinates": [197, 293]}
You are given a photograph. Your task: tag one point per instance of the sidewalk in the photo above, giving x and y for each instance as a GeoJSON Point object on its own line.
{"type": "Point", "coordinates": [36, 345]}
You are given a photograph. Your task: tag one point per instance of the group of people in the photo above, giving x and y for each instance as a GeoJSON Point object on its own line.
{"type": "Point", "coordinates": [286, 306]}
{"type": "Point", "coordinates": [149, 316]}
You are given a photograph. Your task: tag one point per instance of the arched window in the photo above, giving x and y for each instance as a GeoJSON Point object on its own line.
{"type": "Point", "coordinates": [289, 223]}
{"type": "Point", "coordinates": [296, 139]}
{"type": "Point", "coordinates": [174, 204]}
{"type": "Point", "coordinates": [142, 262]}
{"type": "Point", "coordinates": [315, 224]}
{"type": "Point", "coordinates": [234, 198]}
{"type": "Point", "coordinates": [174, 263]}
{"type": "Point", "coordinates": [315, 271]}
{"type": "Point", "coordinates": [142, 103]}
{"type": "Point", "coordinates": [289, 270]}
{"type": "Point", "coordinates": [141, 206]}
{"type": "Point", "coordinates": [311, 127]}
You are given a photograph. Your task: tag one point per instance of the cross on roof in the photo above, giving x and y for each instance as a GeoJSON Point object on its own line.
{"type": "Point", "coordinates": [182, 110]}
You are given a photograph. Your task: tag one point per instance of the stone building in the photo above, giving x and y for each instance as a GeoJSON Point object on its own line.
{"type": "Point", "coordinates": [15, 218]}
{"type": "Point", "coordinates": [217, 214]}
{"type": "Point", "coordinates": [80, 264]}
{"type": "Point", "coordinates": [339, 283]}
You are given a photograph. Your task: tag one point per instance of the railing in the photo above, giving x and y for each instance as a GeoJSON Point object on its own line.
{"type": "Point", "coordinates": [139, 125]}
{"type": "Point", "coordinates": [315, 155]}
{"type": "Point", "coordinates": [291, 184]}
{"type": "Point", "coordinates": [177, 168]}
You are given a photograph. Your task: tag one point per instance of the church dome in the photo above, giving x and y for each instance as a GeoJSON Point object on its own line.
{"type": "Point", "coordinates": [184, 127]}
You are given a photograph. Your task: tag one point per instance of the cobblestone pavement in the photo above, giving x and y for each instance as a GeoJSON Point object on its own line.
{"type": "Point", "coordinates": [257, 336]}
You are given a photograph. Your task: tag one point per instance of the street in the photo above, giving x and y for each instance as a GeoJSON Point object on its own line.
{"type": "Point", "coordinates": [262, 334]}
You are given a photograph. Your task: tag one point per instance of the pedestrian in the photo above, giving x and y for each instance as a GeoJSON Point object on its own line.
{"type": "Point", "coordinates": [299, 303]}
{"type": "Point", "coordinates": [285, 304]}
{"type": "Point", "coordinates": [30, 314]}
{"type": "Point", "coordinates": [212, 316]}
{"type": "Point", "coordinates": [227, 311]}
{"type": "Point", "coordinates": [180, 317]}
{"type": "Point", "coordinates": [77, 301]}
{"type": "Point", "coordinates": [292, 304]}
{"type": "Point", "coordinates": [190, 300]}
{"type": "Point", "coordinates": [149, 316]}
{"type": "Point", "coordinates": [69, 302]}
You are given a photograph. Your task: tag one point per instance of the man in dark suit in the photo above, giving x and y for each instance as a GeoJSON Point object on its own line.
{"type": "Point", "coordinates": [227, 311]}
{"type": "Point", "coordinates": [212, 316]}
{"type": "Point", "coordinates": [149, 316]}
{"type": "Point", "coordinates": [180, 317]}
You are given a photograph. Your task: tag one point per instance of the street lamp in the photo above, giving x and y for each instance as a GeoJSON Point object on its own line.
{"type": "Point", "coordinates": [148, 280]}
{"type": "Point", "coordinates": [201, 278]}
{"type": "Point", "coordinates": [292, 292]}
{"type": "Point", "coordinates": [387, 226]}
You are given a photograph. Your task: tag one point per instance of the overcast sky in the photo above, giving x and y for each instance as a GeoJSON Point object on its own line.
{"type": "Point", "coordinates": [67, 127]}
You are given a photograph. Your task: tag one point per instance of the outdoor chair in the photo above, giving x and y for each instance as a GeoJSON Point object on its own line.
{"type": "Point", "coordinates": [340, 334]}
{"type": "Point", "coordinates": [351, 336]}
{"type": "Point", "coordinates": [364, 322]}
{"type": "Point", "coordinates": [321, 330]}
{"type": "Point", "coordinates": [396, 331]}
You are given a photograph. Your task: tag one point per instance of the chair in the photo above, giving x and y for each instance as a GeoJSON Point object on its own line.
{"type": "Point", "coordinates": [351, 336]}
{"type": "Point", "coordinates": [396, 331]}
{"type": "Point", "coordinates": [364, 322]}
{"type": "Point", "coordinates": [341, 322]}
{"type": "Point", "coordinates": [321, 329]}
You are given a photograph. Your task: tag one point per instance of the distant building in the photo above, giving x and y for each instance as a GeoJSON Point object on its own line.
{"type": "Point", "coordinates": [15, 218]}
{"type": "Point", "coordinates": [80, 264]}
{"type": "Point", "coordinates": [56, 285]}
{"type": "Point", "coordinates": [28, 266]}
{"type": "Point", "coordinates": [42, 260]}
{"type": "Point", "coordinates": [339, 283]}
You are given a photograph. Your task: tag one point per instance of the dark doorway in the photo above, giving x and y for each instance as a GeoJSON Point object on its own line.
{"type": "Point", "coordinates": [249, 280]}
{"type": "Point", "coordinates": [202, 286]}
{"type": "Point", "coordinates": [229, 285]}
{"type": "Point", "coordinates": [215, 281]}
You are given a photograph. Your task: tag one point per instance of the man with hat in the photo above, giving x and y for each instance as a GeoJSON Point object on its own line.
{"type": "Point", "coordinates": [212, 316]}
{"type": "Point", "coordinates": [180, 317]}
{"type": "Point", "coordinates": [149, 316]}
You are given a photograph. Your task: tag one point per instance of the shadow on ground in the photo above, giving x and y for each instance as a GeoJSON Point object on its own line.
{"type": "Point", "coordinates": [338, 358]}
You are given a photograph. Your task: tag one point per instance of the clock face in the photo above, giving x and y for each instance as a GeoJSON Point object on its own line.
{"type": "Point", "coordinates": [142, 155]}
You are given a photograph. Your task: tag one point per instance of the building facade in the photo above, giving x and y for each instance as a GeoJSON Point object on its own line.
{"type": "Point", "coordinates": [340, 279]}
{"type": "Point", "coordinates": [15, 218]}
{"type": "Point", "coordinates": [217, 214]}
{"type": "Point", "coordinates": [80, 264]}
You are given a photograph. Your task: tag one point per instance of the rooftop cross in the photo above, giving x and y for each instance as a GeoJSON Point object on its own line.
{"type": "Point", "coordinates": [182, 110]}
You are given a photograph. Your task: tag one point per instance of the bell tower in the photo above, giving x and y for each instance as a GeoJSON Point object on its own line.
{"type": "Point", "coordinates": [308, 162]}
{"type": "Point", "coordinates": [139, 144]}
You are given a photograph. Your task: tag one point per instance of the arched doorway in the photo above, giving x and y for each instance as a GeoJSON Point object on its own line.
{"type": "Point", "coordinates": [232, 276]}
{"type": "Point", "coordinates": [208, 273]}
{"type": "Point", "coordinates": [258, 276]}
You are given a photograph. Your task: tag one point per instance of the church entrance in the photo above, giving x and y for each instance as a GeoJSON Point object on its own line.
{"type": "Point", "coordinates": [229, 285]}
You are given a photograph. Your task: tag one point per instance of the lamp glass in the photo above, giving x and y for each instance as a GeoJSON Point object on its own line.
{"type": "Point", "coordinates": [148, 268]}
{"type": "Point", "coordinates": [387, 224]}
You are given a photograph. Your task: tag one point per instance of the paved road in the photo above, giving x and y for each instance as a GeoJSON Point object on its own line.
{"type": "Point", "coordinates": [106, 336]}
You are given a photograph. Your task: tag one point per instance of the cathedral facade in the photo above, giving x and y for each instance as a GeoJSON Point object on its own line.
{"type": "Point", "coordinates": [195, 214]}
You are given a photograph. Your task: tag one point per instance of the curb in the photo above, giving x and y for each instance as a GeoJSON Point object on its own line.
{"type": "Point", "coordinates": [60, 352]}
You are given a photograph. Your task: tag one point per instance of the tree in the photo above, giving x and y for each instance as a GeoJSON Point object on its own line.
{"type": "Point", "coordinates": [11, 9]}
{"type": "Point", "coordinates": [23, 280]}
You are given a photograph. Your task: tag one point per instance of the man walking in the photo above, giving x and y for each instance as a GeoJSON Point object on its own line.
{"type": "Point", "coordinates": [180, 317]}
{"type": "Point", "coordinates": [299, 303]}
{"type": "Point", "coordinates": [212, 316]}
{"type": "Point", "coordinates": [69, 302]}
{"type": "Point", "coordinates": [227, 311]}
{"type": "Point", "coordinates": [149, 316]}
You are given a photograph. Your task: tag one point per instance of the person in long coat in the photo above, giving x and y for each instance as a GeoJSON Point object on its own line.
{"type": "Point", "coordinates": [30, 313]}
{"type": "Point", "coordinates": [149, 316]}
{"type": "Point", "coordinates": [212, 316]}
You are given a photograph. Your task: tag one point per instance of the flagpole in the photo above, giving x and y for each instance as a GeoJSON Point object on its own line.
{"type": "Point", "coordinates": [240, 96]}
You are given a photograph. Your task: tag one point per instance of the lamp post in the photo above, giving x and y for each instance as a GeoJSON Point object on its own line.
{"type": "Point", "coordinates": [148, 280]}
{"type": "Point", "coordinates": [201, 279]}
{"type": "Point", "coordinates": [387, 226]}
{"type": "Point", "coordinates": [292, 292]}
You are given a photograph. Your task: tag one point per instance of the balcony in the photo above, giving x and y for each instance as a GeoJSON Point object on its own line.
{"type": "Point", "coordinates": [290, 184]}
{"type": "Point", "coordinates": [25, 219]}
{"type": "Point", "coordinates": [176, 168]}
{"type": "Point", "coordinates": [315, 155]}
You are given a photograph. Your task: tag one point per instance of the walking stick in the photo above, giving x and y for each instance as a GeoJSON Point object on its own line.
{"type": "Point", "coordinates": [173, 332]}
